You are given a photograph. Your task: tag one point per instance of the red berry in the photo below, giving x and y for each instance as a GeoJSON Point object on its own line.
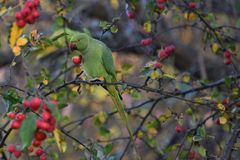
{"type": "Point", "coordinates": [146, 41]}
{"type": "Point", "coordinates": [43, 157]}
{"type": "Point", "coordinates": [178, 128]}
{"type": "Point", "coordinates": [11, 115]}
{"type": "Point", "coordinates": [52, 121]}
{"type": "Point", "coordinates": [45, 126]}
{"type": "Point", "coordinates": [39, 152]}
{"type": "Point", "coordinates": [131, 15]}
{"type": "Point", "coordinates": [20, 23]}
{"type": "Point", "coordinates": [36, 3]}
{"type": "Point", "coordinates": [11, 148]}
{"type": "Point", "coordinates": [17, 153]}
{"type": "Point", "coordinates": [29, 4]}
{"type": "Point", "coordinates": [161, 7]}
{"type": "Point", "coordinates": [30, 19]}
{"type": "Point", "coordinates": [35, 14]}
{"type": "Point", "coordinates": [18, 15]}
{"type": "Point", "coordinates": [25, 12]}
{"type": "Point", "coordinates": [161, 1]}
{"type": "Point", "coordinates": [51, 128]}
{"type": "Point", "coordinates": [157, 65]}
{"type": "Point", "coordinates": [20, 117]}
{"type": "Point", "coordinates": [38, 123]}
{"type": "Point", "coordinates": [46, 115]}
{"type": "Point", "coordinates": [192, 5]}
{"type": "Point", "coordinates": [26, 103]}
{"type": "Point", "coordinates": [15, 124]}
{"type": "Point", "coordinates": [217, 122]}
{"type": "Point", "coordinates": [76, 59]}
{"type": "Point", "coordinates": [228, 61]}
{"type": "Point", "coordinates": [162, 54]}
{"type": "Point", "coordinates": [35, 103]}
{"type": "Point", "coordinates": [72, 47]}
{"type": "Point", "coordinates": [227, 54]}
{"type": "Point", "coordinates": [30, 149]}
{"type": "Point", "coordinates": [39, 135]}
{"type": "Point", "coordinates": [36, 143]}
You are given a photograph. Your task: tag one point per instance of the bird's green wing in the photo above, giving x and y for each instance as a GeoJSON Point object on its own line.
{"type": "Point", "coordinates": [108, 62]}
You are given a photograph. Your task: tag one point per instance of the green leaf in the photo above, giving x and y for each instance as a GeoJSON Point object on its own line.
{"type": "Point", "coordinates": [11, 98]}
{"type": "Point", "coordinates": [108, 148]}
{"type": "Point", "coordinates": [104, 131]}
{"type": "Point", "coordinates": [228, 81]}
{"type": "Point", "coordinates": [114, 29]}
{"type": "Point", "coordinates": [201, 131]}
{"type": "Point", "coordinates": [104, 24]}
{"type": "Point", "coordinates": [27, 130]}
{"type": "Point", "coordinates": [202, 151]}
{"type": "Point", "coordinates": [238, 23]}
{"type": "Point", "coordinates": [126, 66]}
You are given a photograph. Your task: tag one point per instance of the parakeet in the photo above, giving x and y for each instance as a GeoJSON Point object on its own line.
{"type": "Point", "coordinates": [98, 62]}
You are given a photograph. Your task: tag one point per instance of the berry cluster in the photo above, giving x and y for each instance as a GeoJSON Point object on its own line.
{"type": "Point", "coordinates": [44, 124]}
{"type": "Point", "coordinates": [146, 41]}
{"type": "Point", "coordinates": [28, 14]}
{"type": "Point", "coordinates": [161, 4]}
{"type": "Point", "coordinates": [167, 51]}
{"type": "Point", "coordinates": [228, 57]}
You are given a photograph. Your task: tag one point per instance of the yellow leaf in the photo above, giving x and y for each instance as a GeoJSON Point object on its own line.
{"type": "Point", "coordinates": [140, 134]}
{"type": "Point", "coordinates": [221, 107]}
{"type": "Point", "coordinates": [114, 4]}
{"type": "Point", "coordinates": [215, 47]}
{"type": "Point", "coordinates": [169, 76]}
{"type": "Point", "coordinates": [16, 50]}
{"type": "Point", "coordinates": [45, 82]}
{"type": "Point", "coordinates": [14, 33]}
{"type": "Point", "coordinates": [22, 41]}
{"type": "Point", "coordinates": [101, 78]}
{"type": "Point", "coordinates": [152, 131]}
{"type": "Point", "coordinates": [147, 26]}
{"type": "Point", "coordinates": [222, 120]}
{"type": "Point", "coordinates": [190, 16]}
{"type": "Point", "coordinates": [3, 10]}
{"type": "Point", "coordinates": [155, 74]}
{"type": "Point", "coordinates": [186, 78]}
{"type": "Point", "coordinates": [77, 70]}
{"type": "Point", "coordinates": [61, 143]}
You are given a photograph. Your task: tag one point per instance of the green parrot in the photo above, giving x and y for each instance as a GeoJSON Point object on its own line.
{"type": "Point", "coordinates": [98, 62]}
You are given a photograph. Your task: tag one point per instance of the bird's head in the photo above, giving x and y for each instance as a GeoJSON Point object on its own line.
{"type": "Point", "coordinates": [79, 42]}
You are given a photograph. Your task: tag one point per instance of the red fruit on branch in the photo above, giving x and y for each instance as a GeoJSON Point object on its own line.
{"type": "Point", "coordinates": [35, 14]}
{"type": "Point", "coordinates": [131, 15]}
{"type": "Point", "coordinates": [227, 54]}
{"type": "Point", "coordinates": [36, 143]}
{"type": "Point", "coordinates": [15, 124]}
{"type": "Point", "coordinates": [146, 41]}
{"type": "Point", "coordinates": [46, 115]}
{"type": "Point", "coordinates": [179, 128]}
{"type": "Point", "coordinates": [36, 3]}
{"type": "Point", "coordinates": [157, 65]}
{"type": "Point", "coordinates": [161, 1]}
{"type": "Point", "coordinates": [39, 152]}
{"type": "Point", "coordinates": [20, 23]}
{"type": "Point", "coordinates": [192, 5]}
{"type": "Point", "coordinates": [35, 103]}
{"type": "Point", "coordinates": [18, 15]}
{"type": "Point", "coordinates": [43, 157]}
{"type": "Point", "coordinates": [228, 61]}
{"type": "Point", "coordinates": [76, 60]}
{"type": "Point", "coordinates": [40, 136]}
{"type": "Point", "coordinates": [20, 117]}
{"type": "Point", "coordinates": [162, 54]}
{"type": "Point", "coordinates": [11, 148]}
{"type": "Point", "coordinates": [161, 7]}
{"type": "Point", "coordinates": [26, 103]}
{"type": "Point", "coordinates": [11, 115]}
{"type": "Point", "coordinates": [26, 11]}
{"type": "Point", "coordinates": [30, 149]}
{"type": "Point", "coordinates": [17, 153]}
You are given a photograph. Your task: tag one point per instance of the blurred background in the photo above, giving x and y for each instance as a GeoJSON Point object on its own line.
{"type": "Point", "coordinates": [88, 116]}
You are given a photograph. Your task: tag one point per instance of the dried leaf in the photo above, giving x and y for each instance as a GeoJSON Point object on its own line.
{"type": "Point", "coordinates": [61, 143]}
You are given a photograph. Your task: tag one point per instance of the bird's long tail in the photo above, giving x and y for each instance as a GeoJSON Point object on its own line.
{"type": "Point", "coordinates": [120, 108]}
